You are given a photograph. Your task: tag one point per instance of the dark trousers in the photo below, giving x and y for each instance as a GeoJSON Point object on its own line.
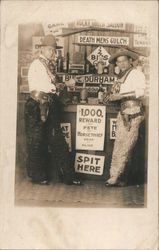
{"type": "Point", "coordinates": [37, 148]}
{"type": "Point", "coordinates": [46, 145]}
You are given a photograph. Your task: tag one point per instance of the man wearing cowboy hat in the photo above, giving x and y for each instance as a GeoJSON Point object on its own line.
{"type": "Point", "coordinates": [42, 119]}
{"type": "Point", "coordinates": [129, 90]}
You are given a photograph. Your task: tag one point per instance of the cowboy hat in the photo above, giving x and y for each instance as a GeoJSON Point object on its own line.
{"type": "Point", "coordinates": [122, 52]}
{"type": "Point", "coordinates": [49, 40]}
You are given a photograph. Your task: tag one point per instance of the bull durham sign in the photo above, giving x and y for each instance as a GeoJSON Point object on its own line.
{"type": "Point", "coordinates": [105, 79]}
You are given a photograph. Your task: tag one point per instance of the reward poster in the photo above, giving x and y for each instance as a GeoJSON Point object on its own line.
{"type": "Point", "coordinates": [90, 127]}
{"type": "Point", "coordinates": [89, 164]}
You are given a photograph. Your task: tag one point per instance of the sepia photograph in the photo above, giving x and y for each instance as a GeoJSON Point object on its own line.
{"type": "Point", "coordinates": [79, 125]}
{"type": "Point", "coordinates": [82, 114]}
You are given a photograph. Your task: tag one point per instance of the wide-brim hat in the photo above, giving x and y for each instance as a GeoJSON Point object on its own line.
{"type": "Point", "coordinates": [49, 40]}
{"type": "Point", "coordinates": [122, 52]}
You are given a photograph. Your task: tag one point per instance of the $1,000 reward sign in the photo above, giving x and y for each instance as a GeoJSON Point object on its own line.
{"type": "Point", "coordinates": [90, 127]}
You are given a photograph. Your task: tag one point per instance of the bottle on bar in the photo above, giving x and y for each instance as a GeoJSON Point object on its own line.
{"type": "Point", "coordinates": [105, 70]}
{"type": "Point", "coordinates": [59, 64]}
{"type": "Point", "coordinates": [65, 65]}
{"type": "Point", "coordinates": [87, 68]}
{"type": "Point", "coordinates": [83, 93]}
{"type": "Point", "coordinates": [100, 93]}
{"type": "Point", "coordinates": [67, 61]}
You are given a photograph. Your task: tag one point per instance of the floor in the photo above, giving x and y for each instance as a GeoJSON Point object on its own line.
{"type": "Point", "coordinates": [90, 194]}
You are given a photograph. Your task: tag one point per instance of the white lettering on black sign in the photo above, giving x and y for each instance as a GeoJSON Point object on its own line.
{"type": "Point", "coordinates": [66, 130]}
{"type": "Point", "coordinates": [113, 128]}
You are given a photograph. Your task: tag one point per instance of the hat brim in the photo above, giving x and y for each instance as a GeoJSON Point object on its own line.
{"type": "Point", "coordinates": [114, 57]}
{"type": "Point", "coordinates": [56, 47]}
{"type": "Point", "coordinates": [59, 47]}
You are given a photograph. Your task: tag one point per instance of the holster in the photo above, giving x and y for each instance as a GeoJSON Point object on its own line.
{"type": "Point", "coordinates": [130, 109]}
{"type": "Point", "coordinates": [127, 121]}
{"type": "Point", "coordinates": [44, 101]}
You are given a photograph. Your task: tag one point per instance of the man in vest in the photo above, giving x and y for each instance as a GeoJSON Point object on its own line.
{"type": "Point", "coordinates": [129, 90]}
{"type": "Point", "coordinates": [42, 119]}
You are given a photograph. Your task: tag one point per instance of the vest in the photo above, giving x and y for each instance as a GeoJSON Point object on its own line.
{"type": "Point", "coordinates": [52, 76]}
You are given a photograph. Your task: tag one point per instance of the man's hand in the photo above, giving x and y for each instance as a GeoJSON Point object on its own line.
{"type": "Point", "coordinates": [71, 83]}
{"type": "Point", "coordinates": [60, 87]}
{"type": "Point", "coordinates": [115, 97]}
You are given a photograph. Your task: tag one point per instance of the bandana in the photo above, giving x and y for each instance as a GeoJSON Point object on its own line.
{"type": "Point", "coordinates": [122, 73]}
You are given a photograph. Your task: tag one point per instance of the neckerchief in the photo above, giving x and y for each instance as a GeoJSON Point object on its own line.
{"type": "Point", "coordinates": [122, 73]}
{"type": "Point", "coordinates": [121, 79]}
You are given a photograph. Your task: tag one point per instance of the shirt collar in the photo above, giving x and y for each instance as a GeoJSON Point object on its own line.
{"type": "Point", "coordinates": [121, 74]}
{"type": "Point", "coordinates": [43, 57]}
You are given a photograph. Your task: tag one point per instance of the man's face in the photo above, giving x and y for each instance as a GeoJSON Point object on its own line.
{"type": "Point", "coordinates": [49, 52]}
{"type": "Point", "coordinates": [123, 62]}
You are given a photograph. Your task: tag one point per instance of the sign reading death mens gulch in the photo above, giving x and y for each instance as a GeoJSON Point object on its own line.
{"type": "Point", "coordinates": [90, 127]}
{"type": "Point", "coordinates": [103, 40]}
{"type": "Point", "coordinates": [89, 164]}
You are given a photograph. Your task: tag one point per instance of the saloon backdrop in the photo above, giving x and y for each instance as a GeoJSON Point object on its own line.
{"type": "Point", "coordinates": [88, 120]}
